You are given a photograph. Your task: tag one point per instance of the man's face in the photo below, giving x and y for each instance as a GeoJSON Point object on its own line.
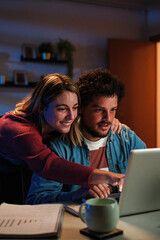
{"type": "Point", "coordinates": [97, 117]}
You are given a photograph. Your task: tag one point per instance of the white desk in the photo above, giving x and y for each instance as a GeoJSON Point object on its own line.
{"type": "Point", "coordinates": [138, 227]}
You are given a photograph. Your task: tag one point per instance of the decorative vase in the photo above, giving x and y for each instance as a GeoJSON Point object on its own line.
{"type": "Point", "coordinates": [46, 55]}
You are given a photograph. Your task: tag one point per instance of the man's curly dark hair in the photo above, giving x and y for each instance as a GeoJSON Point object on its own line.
{"type": "Point", "coordinates": [99, 82]}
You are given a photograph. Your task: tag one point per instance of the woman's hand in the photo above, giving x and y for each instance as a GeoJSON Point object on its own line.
{"type": "Point", "coordinates": [100, 176]}
{"type": "Point", "coordinates": [117, 126]}
{"type": "Point", "coordinates": [115, 179]}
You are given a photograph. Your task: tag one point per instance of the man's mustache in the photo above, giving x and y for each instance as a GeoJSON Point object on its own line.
{"type": "Point", "coordinates": [104, 123]}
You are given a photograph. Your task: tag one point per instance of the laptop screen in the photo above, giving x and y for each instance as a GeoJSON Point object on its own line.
{"type": "Point", "coordinates": [141, 188]}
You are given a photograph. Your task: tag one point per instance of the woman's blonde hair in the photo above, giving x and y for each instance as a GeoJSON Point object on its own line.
{"type": "Point", "coordinates": [45, 92]}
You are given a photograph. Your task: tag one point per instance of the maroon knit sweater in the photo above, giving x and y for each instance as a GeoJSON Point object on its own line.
{"type": "Point", "coordinates": [20, 142]}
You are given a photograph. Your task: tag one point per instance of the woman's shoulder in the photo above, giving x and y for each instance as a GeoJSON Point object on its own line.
{"type": "Point", "coordinates": [13, 122]}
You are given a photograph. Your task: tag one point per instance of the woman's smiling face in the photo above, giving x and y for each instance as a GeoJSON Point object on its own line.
{"type": "Point", "coordinates": [60, 113]}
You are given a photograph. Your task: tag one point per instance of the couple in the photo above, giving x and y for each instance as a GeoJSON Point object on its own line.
{"type": "Point", "coordinates": [96, 144]}
{"type": "Point", "coordinates": [51, 109]}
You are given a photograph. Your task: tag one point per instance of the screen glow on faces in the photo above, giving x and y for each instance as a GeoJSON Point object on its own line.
{"type": "Point", "coordinates": [60, 113]}
{"type": "Point", "coordinates": [97, 117]}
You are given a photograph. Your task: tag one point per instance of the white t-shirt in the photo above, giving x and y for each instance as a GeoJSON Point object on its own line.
{"type": "Point", "coordinates": [97, 150]}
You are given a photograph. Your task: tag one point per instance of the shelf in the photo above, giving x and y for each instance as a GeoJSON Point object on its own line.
{"type": "Point", "coordinates": [39, 60]}
{"type": "Point", "coordinates": [33, 60]}
{"type": "Point", "coordinates": [11, 84]}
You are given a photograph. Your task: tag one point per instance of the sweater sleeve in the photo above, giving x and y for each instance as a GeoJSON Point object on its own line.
{"type": "Point", "coordinates": [47, 164]}
{"type": "Point", "coordinates": [21, 142]}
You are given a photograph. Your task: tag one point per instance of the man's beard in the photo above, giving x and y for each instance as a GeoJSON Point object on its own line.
{"type": "Point", "coordinates": [95, 133]}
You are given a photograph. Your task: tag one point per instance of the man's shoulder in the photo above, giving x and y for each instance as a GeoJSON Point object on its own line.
{"type": "Point", "coordinates": [125, 132]}
{"type": "Point", "coordinates": [14, 125]}
{"type": "Point", "coordinates": [129, 137]}
{"type": "Point", "coordinates": [128, 133]}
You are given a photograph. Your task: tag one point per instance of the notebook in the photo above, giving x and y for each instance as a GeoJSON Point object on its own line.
{"type": "Point", "coordinates": [141, 188]}
{"type": "Point", "coordinates": [30, 221]}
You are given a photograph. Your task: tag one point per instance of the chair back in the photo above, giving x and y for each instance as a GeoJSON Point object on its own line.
{"type": "Point", "coordinates": [14, 182]}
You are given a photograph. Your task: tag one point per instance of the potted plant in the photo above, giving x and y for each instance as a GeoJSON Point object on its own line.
{"type": "Point", "coordinates": [45, 50]}
{"type": "Point", "coordinates": [65, 52]}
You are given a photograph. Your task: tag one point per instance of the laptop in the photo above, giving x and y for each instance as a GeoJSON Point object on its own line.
{"type": "Point", "coordinates": [141, 188]}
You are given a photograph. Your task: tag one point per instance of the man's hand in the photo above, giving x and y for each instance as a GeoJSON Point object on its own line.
{"type": "Point", "coordinates": [117, 126]}
{"type": "Point", "coordinates": [99, 191]}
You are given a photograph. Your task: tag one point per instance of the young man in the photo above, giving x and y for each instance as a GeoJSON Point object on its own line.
{"type": "Point", "coordinates": [100, 94]}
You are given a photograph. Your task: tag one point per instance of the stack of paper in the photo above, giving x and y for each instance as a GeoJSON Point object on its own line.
{"type": "Point", "coordinates": [27, 221]}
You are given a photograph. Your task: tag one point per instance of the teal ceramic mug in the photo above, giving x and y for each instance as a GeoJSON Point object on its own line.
{"type": "Point", "coordinates": [100, 214]}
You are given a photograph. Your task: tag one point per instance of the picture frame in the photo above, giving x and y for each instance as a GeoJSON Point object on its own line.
{"type": "Point", "coordinates": [20, 78]}
{"type": "Point", "coordinates": [28, 51]}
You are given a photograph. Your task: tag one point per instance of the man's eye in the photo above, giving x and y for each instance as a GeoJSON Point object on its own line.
{"type": "Point", "coordinates": [75, 108]}
{"type": "Point", "coordinates": [98, 110]}
{"type": "Point", "coordinates": [113, 110]}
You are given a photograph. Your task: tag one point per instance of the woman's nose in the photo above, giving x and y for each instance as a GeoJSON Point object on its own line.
{"type": "Point", "coordinates": [70, 115]}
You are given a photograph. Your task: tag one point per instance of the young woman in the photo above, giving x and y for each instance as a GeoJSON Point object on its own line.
{"type": "Point", "coordinates": [50, 109]}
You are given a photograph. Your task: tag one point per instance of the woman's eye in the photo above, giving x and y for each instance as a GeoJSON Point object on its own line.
{"type": "Point", "coordinates": [61, 109]}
